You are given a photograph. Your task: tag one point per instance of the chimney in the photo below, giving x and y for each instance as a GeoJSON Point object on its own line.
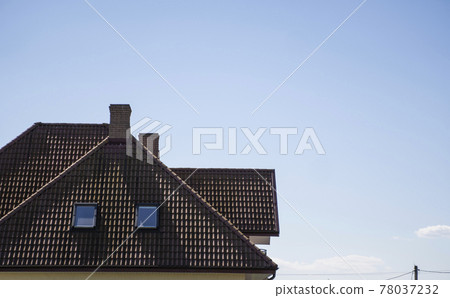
{"type": "Point", "coordinates": [151, 141]}
{"type": "Point", "coordinates": [119, 121]}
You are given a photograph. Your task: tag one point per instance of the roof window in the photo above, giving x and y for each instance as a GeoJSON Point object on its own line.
{"type": "Point", "coordinates": [84, 215]}
{"type": "Point", "coordinates": [147, 216]}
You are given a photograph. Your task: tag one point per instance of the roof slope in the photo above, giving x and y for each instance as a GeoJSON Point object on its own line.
{"type": "Point", "coordinates": [45, 150]}
{"type": "Point", "coordinates": [244, 196]}
{"type": "Point", "coordinates": [40, 154]}
{"type": "Point", "coordinates": [191, 235]}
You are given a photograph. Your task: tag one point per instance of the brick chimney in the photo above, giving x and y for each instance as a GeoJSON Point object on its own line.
{"type": "Point", "coordinates": [151, 141]}
{"type": "Point", "coordinates": [119, 121]}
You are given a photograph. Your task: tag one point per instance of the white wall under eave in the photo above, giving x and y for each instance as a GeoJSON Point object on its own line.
{"type": "Point", "coordinates": [260, 239]}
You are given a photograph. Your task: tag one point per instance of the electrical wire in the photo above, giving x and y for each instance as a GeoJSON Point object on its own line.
{"type": "Point", "coordinates": [400, 275]}
{"type": "Point", "coordinates": [368, 273]}
{"type": "Point", "coordinates": [432, 271]}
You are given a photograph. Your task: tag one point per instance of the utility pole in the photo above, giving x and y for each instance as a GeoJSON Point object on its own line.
{"type": "Point", "coordinates": [416, 272]}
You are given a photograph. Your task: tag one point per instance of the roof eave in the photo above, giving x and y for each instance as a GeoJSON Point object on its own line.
{"type": "Point", "coordinates": [134, 269]}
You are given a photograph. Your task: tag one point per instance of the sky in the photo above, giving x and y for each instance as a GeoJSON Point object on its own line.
{"type": "Point", "coordinates": [376, 94]}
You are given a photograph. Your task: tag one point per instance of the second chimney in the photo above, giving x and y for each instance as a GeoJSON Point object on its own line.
{"type": "Point", "coordinates": [119, 121]}
{"type": "Point", "coordinates": [151, 141]}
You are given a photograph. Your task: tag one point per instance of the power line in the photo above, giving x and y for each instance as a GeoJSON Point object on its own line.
{"type": "Point", "coordinates": [400, 275]}
{"type": "Point", "coordinates": [412, 272]}
{"type": "Point", "coordinates": [368, 273]}
{"type": "Point", "coordinates": [432, 271]}
{"type": "Point", "coordinates": [415, 273]}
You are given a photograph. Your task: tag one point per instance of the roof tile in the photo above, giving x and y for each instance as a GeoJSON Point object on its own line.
{"type": "Point", "coordinates": [191, 235]}
{"type": "Point", "coordinates": [246, 197]}
{"type": "Point", "coordinates": [39, 155]}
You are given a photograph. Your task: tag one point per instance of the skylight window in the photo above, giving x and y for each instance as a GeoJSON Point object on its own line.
{"type": "Point", "coordinates": [147, 216]}
{"type": "Point", "coordinates": [84, 215]}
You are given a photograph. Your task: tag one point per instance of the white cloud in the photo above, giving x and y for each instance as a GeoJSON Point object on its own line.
{"type": "Point", "coordinates": [439, 231]}
{"type": "Point", "coordinates": [333, 265]}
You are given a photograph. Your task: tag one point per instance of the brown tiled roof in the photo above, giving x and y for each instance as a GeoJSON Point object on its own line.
{"type": "Point", "coordinates": [244, 196]}
{"type": "Point", "coordinates": [45, 150]}
{"type": "Point", "coordinates": [192, 235]}
{"type": "Point", "coordinates": [41, 153]}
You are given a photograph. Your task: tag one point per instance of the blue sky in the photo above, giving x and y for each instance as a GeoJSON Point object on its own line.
{"type": "Point", "coordinates": [376, 94]}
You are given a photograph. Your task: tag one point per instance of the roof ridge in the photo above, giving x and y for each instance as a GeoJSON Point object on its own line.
{"type": "Point", "coordinates": [230, 169]}
{"type": "Point", "coordinates": [27, 131]}
{"type": "Point", "coordinates": [73, 124]}
{"type": "Point", "coordinates": [53, 181]}
{"type": "Point", "coordinates": [213, 210]}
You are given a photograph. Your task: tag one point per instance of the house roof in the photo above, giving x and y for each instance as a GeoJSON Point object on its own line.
{"type": "Point", "coordinates": [246, 197]}
{"type": "Point", "coordinates": [50, 167]}
{"type": "Point", "coordinates": [40, 154]}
